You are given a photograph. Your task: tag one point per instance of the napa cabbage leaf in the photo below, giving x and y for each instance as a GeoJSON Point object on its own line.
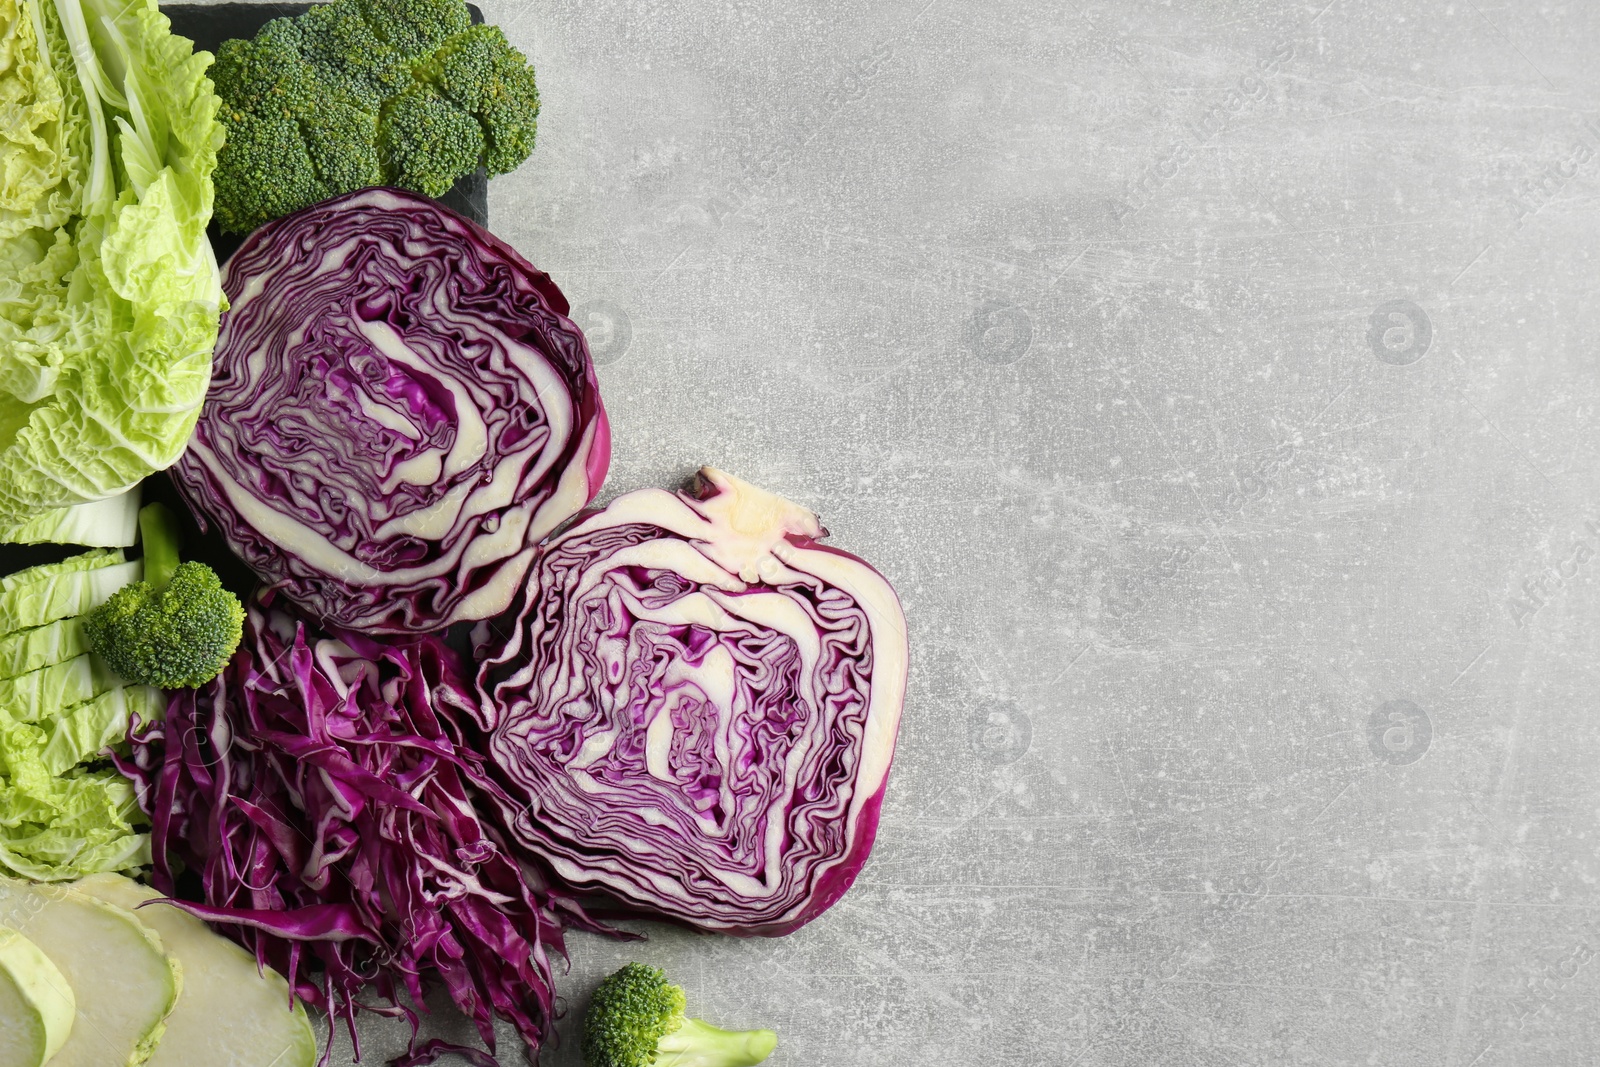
{"type": "Point", "coordinates": [109, 291]}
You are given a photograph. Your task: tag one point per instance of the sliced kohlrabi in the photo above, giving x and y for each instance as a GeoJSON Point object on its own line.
{"type": "Point", "coordinates": [109, 523]}
{"type": "Point", "coordinates": [124, 982]}
{"type": "Point", "coordinates": [36, 1003]}
{"type": "Point", "coordinates": [229, 1012]}
{"type": "Point", "coordinates": [41, 595]}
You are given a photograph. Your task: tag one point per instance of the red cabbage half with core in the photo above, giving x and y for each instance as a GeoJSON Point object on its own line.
{"type": "Point", "coordinates": [698, 707]}
{"type": "Point", "coordinates": [400, 411]}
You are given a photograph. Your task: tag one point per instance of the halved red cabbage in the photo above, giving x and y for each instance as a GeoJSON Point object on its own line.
{"type": "Point", "coordinates": [400, 411]}
{"type": "Point", "coordinates": [698, 707]}
{"type": "Point", "coordinates": [323, 790]}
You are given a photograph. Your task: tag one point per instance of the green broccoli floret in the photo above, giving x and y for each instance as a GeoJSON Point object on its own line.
{"type": "Point", "coordinates": [463, 66]}
{"type": "Point", "coordinates": [357, 93]}
{"type": "Point", "coordinates": [265, 169]}
{"type": "Point", "coordinates": [479, 70]}
{"type": "Point", "coordinates": [266, 75]}
{"type": "Point", "coordinates": [415, 27]}
{"type": "Point", "coordinates": [176, 629]}
{"type": "Point", "coordinates": [342, 141]}
{"type": "Point", "coordinates": [636, 1019]}
{"type": "Point", "coordinates": [426, 141]}
{"type": "Point", "coordinates": [265, 173]}
{"type": "Point", "coordinates": [335, 39]}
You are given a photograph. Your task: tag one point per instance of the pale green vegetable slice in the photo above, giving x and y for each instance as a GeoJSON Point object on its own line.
{"type": "Point", "coordinates": [42, 693]}
{"type": "Point", "coordinates": [82, 562]}
{"type": "Point", "coordinates": [229, 1012]}
{"type": "Point", "coordinates": [109, 523]}
{"type": "Point", "coordinates": [42, 646]}
{"type": "Point", "coordinates": [37, 1007]}
{"type": "Point", "coordinates": [124, 982]}
{"type": "Point", "coordinates": [78, 734]}
{"type": "Point", "coordinates": [41, 595]}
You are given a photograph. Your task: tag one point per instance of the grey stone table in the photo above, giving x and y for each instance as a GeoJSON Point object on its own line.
{"type": "Point", "coordinates": [1217, 383]}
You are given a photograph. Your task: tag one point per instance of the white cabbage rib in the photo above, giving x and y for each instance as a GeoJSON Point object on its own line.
{"type": "Point", "coordinates": [700, 705]}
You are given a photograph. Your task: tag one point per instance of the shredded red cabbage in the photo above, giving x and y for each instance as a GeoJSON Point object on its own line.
{"type": "Point", "coordinates": [323, 790]}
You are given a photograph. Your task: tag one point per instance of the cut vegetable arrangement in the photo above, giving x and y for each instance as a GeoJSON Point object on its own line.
{"type": "Point", "coordinates": [684, 704]}
{"type": "Point", "coordinates": [90, 977]}
{"type": "Point", "coordinates": [229, 1012]}
{"type": "Point", "coordinates": [401, 412]}
{"type": "Point", "coordinates": [122, 982]}
{"type": "Point", "coordinates": [698, 707]}
{"type": "Point", "coordinates": [37, 1005]}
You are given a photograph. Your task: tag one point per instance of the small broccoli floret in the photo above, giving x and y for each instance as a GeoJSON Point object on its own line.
{"type": "Point", "coordinates": [279, 33]}
{"type": "Point", "coordinates": [426, 141]}
{"type": "Point", "coordinates": [463, 66]}
{"type": "Point", "coordinates": [415, 27]}
{"type": "Point", "coordinates": [265, 76]}
{"type": "Point", "coordinates": [636, 1019]}
{"type": "Point", "coordinates": [481, 71]}
{"type": "Point", "coordinates": [265, 173]}
{"type": "Point", "coordinates": [271, 97]}
{"type": "Point", "coordinates": [176, 629]}
{"type": "Point", "coordinates": [509, 127]}
{"type": "Point", "coordinates": [342, 143]}
{"type": "Point", "coordinates": [337, 41]}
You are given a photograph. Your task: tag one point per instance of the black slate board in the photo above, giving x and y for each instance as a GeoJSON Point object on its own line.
{"type": "Point", "coordinates": [208, 26]}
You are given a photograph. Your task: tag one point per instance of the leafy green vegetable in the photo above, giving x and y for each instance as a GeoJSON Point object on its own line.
{"type": "Point", "coordinates": [57, 820]}
{"type": "Point", "coordinates": [109, 523]}
{"type": "Point", "coordinates": [111, 294]}
{"type": "Point", "coordinates": [636, 1019]}
{"type": "Point", "coordinates": [41, 595]}
{"type": "Point", "coordinates": [60, 685]}
{"type": "Point", "coordinates": [357, 93]}
{"type": "Point", "coordinates": [59, 708]}
{"type": "Point", "coordinates": [42, 646]}
{"type": "Point", "coordinates": [59, 828]}
{"type": "Point", "coordinates": [79, 733]}
{"type": "Point", "coordinates": [175, 629]}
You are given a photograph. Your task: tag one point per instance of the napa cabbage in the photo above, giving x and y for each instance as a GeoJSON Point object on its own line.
{"type": "Point", "coordinates": [109, 291]}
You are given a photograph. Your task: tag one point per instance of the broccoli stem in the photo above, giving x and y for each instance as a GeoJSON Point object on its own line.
{"type": "Point", "coordinates": [158, 532]}
{"type": "Point", "coordinates": [699, 1044]}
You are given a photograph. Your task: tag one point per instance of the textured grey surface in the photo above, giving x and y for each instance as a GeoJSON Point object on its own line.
{"type": "Point", "coordinates": [1252, 714]}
